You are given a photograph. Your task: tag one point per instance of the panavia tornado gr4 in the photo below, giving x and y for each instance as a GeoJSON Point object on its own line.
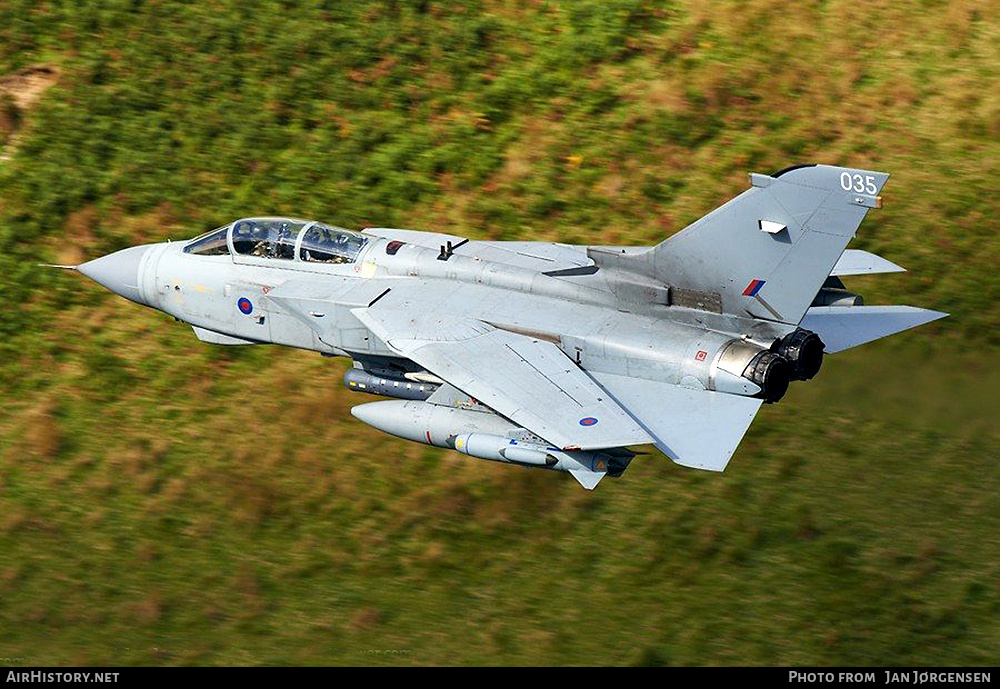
{"type": "Point", "coordinates": [543, 354]}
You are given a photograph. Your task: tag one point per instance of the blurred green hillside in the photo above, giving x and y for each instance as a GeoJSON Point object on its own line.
{"type": "Point", "coordinates": [165, 501]}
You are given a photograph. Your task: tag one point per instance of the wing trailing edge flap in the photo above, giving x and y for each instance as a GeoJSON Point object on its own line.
{"type": "Point", "coordinates": [529, 381]}
{"type": "Point", "coordinates": [843, 327]}
{"type": "Point", "coordinates": [694, 428]}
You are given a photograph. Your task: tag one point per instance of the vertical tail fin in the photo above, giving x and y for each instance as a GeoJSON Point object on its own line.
{"type": "Point", "coordinates": [767, 252]}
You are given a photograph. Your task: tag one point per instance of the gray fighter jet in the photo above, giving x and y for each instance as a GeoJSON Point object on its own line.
{"type": "Point", "coordinates": [543, 354]}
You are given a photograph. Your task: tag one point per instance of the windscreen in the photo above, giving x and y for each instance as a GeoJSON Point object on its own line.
{"type": "Point", "coordinates": [209, 244]}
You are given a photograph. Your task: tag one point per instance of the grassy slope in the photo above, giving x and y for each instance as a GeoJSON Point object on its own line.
{"type": "Point", "coordinates": [164, 501]}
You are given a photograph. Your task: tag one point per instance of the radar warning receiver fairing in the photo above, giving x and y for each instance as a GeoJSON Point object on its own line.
{"type": "Point", "coordinates": [543, 354]}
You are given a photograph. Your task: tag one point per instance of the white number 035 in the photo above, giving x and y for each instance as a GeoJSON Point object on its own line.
{"type": "Point", "coordinates": [858, 183]}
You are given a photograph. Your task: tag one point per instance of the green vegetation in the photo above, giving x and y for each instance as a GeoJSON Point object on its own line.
{"type": "Point", "coordinates": [163, 501]}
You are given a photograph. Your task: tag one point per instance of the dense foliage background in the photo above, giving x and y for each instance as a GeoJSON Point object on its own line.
{"type": "Point", "coordinates": [164, 501]}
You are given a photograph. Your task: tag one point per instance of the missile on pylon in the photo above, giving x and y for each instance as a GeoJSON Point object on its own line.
{"type": "Point", "coordinates": [485, 435]}
{"type": "Point", "coordinates": [362, 381]}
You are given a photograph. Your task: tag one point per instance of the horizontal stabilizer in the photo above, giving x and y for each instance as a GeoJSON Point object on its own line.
{"type": "Point", "coordinates": [694, 428]}
{"type": "Point", "coordinates": [843, 327]}
{"type": "Point", "coordinates": [858, 262]}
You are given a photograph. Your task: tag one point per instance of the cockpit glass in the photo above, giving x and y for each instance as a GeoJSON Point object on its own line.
{"type": "Point", "coordinates": [209, 244]}
{"type": "Point", "coordinates": [324, 244]}
{"type": "Point", "coordinates": [267, 237]}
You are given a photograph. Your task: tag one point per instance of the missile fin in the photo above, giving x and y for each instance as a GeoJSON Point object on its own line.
{"type": "Point", "coordinates": [587, 479]}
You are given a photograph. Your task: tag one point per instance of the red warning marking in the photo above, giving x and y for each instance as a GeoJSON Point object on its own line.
{"type": "Point", "coordinates": [429, 438]}
{"type": "Point", "coordinates": [700, 356]}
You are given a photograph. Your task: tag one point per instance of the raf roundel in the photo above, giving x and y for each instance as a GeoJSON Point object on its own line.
{"type": "Point", "coordinates": [588, 421]}
{"type": "Point", "coordinates": [244, 305]}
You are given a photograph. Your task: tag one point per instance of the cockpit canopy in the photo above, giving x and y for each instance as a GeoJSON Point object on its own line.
{"type": "Point", "coordinates": [324, 244]}
{"type": "Point", "coordinates": [281, 238]}
{"type": "Point", "coordinates": [267, 237]}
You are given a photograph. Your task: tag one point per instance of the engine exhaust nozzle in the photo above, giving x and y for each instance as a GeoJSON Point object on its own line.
{"type": "Point", "coordinates": [804, 351]}
{"type": "Point", "coordinates": [771, 372]}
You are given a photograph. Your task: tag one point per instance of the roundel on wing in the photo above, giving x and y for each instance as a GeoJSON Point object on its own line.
{"type": "Point", "coordinates": [588, 421]}
{"type": "Point", "coordinates": [244, 305]}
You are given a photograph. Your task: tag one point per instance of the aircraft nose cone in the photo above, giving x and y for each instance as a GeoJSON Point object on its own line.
{"type": "Point", "coordinates": [119, 272]}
